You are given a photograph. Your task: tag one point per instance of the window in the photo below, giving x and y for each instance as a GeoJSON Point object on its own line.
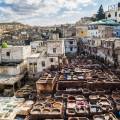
{"type": "Point", "coordinates": [54, 50]}
{"type": "Point", "coordinates": [35, 67]}
{"type": "Point", "coordinates": [115, 14]}
{"type": "Point", "coordinates": [30, 67]}
{"type": "Point", "coordinates": [51, 60]}
{"type": "Point", "coordinates": [7, 53]}
{"type": "Point", "coordinates": [43, 63]}
{"type": "Point", "coordinates": [117, 33]}
{"type": "Point", "coordinates": [96, 27]}
{"type": "Point", "coordinates": [35, 64]}
{"type": "Point", "coordinates": [108, 52]}
{"type": "Point", "coordinates": [71, 42]}
{"type": "Point", "coordinates": [82, 32]}
{"type": "Point", "coordinates": [71, 49]}
{"type": "Point", "coordinates": [88, 27]}
{"type": "Point", "coordinates": [30, 64]}
{"type": "Point", "coordinates": [109, 15]}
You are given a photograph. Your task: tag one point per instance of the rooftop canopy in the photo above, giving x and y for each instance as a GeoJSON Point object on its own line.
{"type": "Point", "coordinates": [108, 22]}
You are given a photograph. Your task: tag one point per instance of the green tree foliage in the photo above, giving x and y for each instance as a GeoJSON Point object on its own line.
{"type": "Point", "coordinates": [100, 14]}
{"type": "Point", "coordinates": [4, 45]}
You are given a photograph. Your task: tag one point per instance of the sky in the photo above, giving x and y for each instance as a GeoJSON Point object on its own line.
{"type": "Point", "coordinates": [49, 12]}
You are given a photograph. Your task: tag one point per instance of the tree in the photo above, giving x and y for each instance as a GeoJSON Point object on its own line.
{"type": "Point", "coordinates": [4, 45]}
{"type": "Point", "coordinates": [100, 14]}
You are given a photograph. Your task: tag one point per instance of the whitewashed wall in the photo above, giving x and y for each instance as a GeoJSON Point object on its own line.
{"type": "Point", "coordinates": [13, 70]}
{"type": "Point", "coordinates": [58, 44]}
{"type": "Point", "coordinates": [39, 60]}
{"type": "Point", "coordinates": [17, 53]}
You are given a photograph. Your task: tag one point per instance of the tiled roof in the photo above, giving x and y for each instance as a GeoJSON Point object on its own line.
{"type": "Point", "coordinates": [109, 22]}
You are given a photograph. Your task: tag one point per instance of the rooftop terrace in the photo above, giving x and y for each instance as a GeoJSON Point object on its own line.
{"type": "Point", "coordinates": [9, 80]}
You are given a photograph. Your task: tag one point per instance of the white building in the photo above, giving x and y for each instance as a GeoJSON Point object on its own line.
{"type": "Point", "coordinates": [14, 53]}
{"type": "Point", "coordinates": [37, 46]}
{"type": "Point", "coordinates": [102, 28]}
{"type": "Point", "coordinates": [55, 47]}
{"type": "Point", "coordinates": [33, 64]}
{"type": "Point", "coordinates": [93, 33]}
{"type": "Point", "coordinates": [13, 60]}
{"type": "Point", "coordinates": [113, 12]}
{"type": "Point", "coordinates": [106, 50]}
{"type": "Point", "coordinates": [70, 45]}
{"type": "Point", "coordinates": [13, 68]}
{"type": "Point", "coordinates": [37, 62]}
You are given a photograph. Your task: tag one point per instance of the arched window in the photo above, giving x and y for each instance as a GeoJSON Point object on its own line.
{"type": "Point", "coordinates": [109, 15]}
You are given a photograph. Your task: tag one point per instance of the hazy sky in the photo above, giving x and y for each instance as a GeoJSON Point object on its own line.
{"type": "Point", "coordinates": [49, 12]}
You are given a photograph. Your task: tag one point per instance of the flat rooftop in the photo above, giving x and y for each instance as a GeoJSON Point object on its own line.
{"type": "Point", "coordinates": [35, 55]}
{"type": "Point", "coordinates": [9, 80]}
